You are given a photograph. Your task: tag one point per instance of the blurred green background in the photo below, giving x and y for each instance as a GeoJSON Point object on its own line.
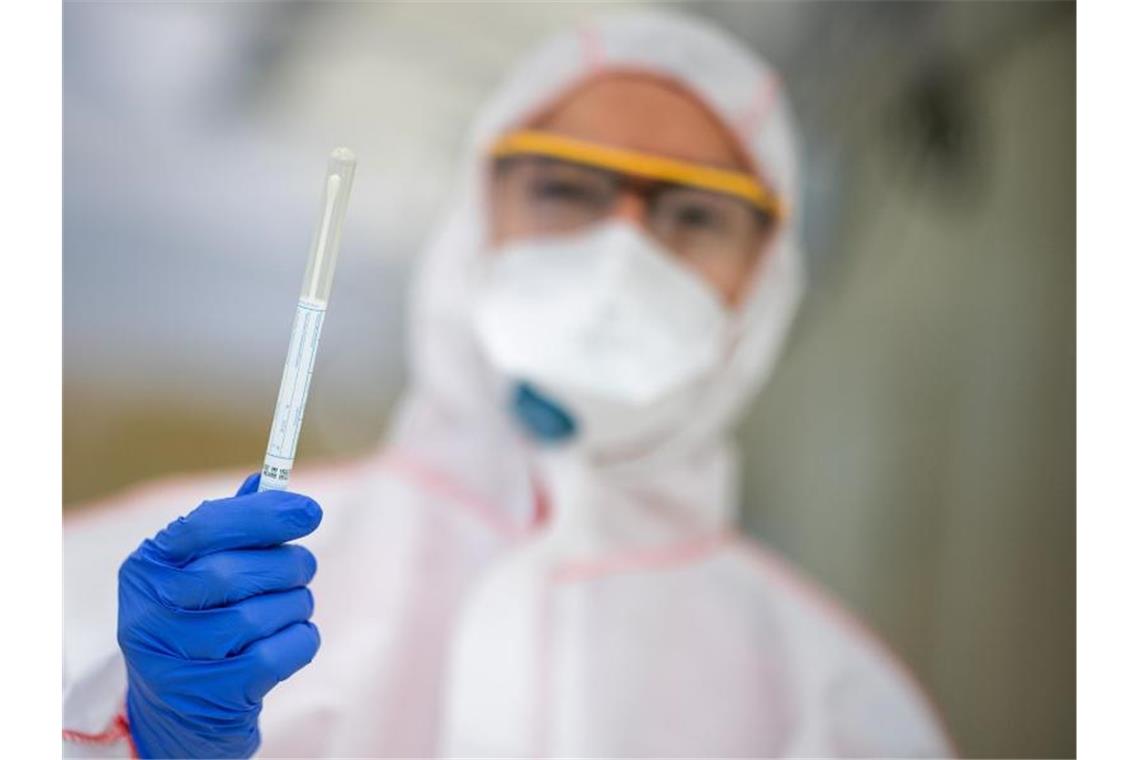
{"type": "Point", "coordinates": [915, 451]}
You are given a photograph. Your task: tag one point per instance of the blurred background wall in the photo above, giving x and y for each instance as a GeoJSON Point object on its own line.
{"type": "Point", "coordinates": [915, 451]}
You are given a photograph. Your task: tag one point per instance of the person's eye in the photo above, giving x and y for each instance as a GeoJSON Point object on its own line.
{"type": "Point", "coordinates": [560, 189]}
{"type": "Point", "coordinates": [697, 217]}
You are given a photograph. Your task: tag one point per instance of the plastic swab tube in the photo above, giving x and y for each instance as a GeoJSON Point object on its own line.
{"type": "Point", "coordinates": [307, 324]}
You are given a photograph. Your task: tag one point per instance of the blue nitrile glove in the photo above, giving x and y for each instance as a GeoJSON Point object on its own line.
{"type": "Point", "coordinates": [213, 613]}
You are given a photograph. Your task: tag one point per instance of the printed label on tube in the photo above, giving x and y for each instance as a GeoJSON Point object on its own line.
{"type": "Point", "coordinates": [292, 396]}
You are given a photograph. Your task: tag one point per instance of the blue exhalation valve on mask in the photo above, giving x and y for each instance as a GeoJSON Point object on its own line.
{"type": "Point", "coordinates": [541, 417]}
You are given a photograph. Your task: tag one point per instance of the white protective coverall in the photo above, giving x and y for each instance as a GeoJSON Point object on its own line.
{"type": "Point", "coordinates": [477, 596]}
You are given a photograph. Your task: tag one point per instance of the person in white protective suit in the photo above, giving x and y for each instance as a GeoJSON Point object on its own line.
{"type": "Point", "coordinates": [541, 560]}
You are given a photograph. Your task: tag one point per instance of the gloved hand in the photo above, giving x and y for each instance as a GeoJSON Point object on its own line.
{"type": "Point", "coordinates": [213, 613]}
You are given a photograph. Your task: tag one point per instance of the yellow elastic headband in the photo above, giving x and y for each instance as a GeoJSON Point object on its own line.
{"type": "Point", "coordinates": [647, 165]}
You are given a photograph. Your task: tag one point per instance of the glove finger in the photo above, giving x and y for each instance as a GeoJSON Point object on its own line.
{"type": "Point", "coordinates": [273, 659]}
{"type": "Point", "coordinates": [225, 631]}
{"type": "Point", "coordinates": [223, 578]}
{"type": "Point", "coordinates": [256, 520]}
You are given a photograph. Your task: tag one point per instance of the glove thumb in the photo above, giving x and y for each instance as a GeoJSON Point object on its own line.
{"type": "Point", "coordinates": [250, 485]}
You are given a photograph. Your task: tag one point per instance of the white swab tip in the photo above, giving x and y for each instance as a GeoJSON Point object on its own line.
{"type": "Point", "coordinates": [343, 155]}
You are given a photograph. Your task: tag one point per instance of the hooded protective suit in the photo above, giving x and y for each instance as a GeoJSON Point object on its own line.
{"type": "Point", "coordinates": [479, 595]}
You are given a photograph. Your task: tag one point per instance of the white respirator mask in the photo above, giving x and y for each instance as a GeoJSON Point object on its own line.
{"type": "Point", "coordinates": [607, 325]}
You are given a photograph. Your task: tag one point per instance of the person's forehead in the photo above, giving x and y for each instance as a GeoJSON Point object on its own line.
{"type": "Point", "coordinates": [645, 114]}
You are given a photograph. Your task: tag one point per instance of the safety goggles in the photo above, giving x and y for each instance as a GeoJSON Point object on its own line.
{"type": "Point", "coordinates": [643, 165]}
{"type": "Point", "coordinates": [562, 185]}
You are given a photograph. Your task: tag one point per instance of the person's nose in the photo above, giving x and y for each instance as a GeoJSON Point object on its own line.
{"type": "Point", "coordinates": [631, 207]}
